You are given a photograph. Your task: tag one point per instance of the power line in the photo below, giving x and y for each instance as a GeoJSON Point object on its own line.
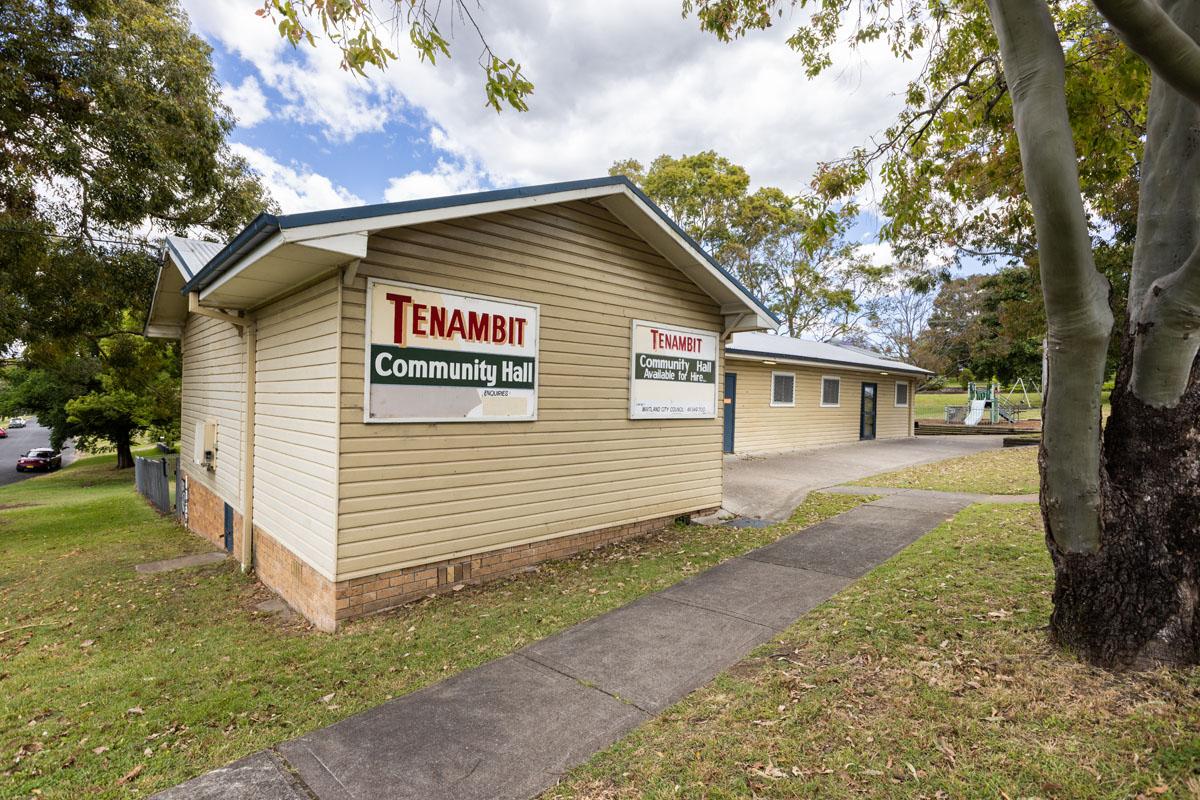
{"type": "Point", "coordinates": [77, 236]}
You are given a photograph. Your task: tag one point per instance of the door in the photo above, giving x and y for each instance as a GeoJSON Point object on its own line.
{"type": "Point", "coordinates": [730, 409]}
{"type": "Point", "coordinates": [228, 528]}
{"type": "Point", "coordinates": [866, 426]}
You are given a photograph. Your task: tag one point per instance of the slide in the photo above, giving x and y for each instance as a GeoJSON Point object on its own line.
{"type": "Point", "coordinates": [977, 408]}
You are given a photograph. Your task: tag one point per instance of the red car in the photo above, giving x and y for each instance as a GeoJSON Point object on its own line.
{"type": "Point", "coordinates": [3, 433]}
{"type": "Point", "coordinates": [41, 459]}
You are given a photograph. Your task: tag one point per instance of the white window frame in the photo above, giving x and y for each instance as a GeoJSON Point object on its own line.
{"type": "Point", "coordinates": [792, 403]}
{"type": "Point", "coordinates": [821, 396]}
{"type": "Point", "coordinates": [907, 393]}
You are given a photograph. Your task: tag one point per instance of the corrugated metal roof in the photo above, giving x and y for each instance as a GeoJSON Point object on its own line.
{"type": "Point", "coordinates": [264, 225]}
{"type": "Point", "coordinates": [767, 345]}
{"type": "Point", "coordinates": [192, 254]}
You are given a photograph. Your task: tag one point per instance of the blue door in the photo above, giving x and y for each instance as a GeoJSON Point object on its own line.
{"type": "Point", "coordinates": [228, 528]}
{"type": "Point", "coordinates": [730, 409]}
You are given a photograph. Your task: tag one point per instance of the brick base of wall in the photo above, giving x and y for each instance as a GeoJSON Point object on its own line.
{"type": "Point", "coordinates": [206, 515]}
{"type": "Point", "coordinates": [326, 604]}
{"type": "Point", "coordinates": [361, 596]}
{"type": "Point", "coordinates": [300, 586]}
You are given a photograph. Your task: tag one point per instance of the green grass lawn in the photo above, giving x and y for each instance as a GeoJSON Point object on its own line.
{"type": "Point", "coordinates": [933, 406]}
{"type": "Point", "coordinates": [1012, 470]}
{"type": "Point", "coordinates": [117, 685]}
{"type": "Point", "coordinates": [932, 677]}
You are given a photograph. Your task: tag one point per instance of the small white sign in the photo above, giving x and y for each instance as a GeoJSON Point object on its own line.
{"type": "Point", "coordinates": [439, 356]}
{"type": "Point", "coordinates": [673, 374]}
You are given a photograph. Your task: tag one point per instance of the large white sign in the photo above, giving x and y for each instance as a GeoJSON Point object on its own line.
{"type": "Point", "coordinates": [673, 374]}
{"type": "Point", "coordinates": [439, 356]}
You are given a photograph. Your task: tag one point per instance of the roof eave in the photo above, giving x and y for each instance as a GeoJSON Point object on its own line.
{"type": "Point", "coordinates": [253, 234]}
{"type": "Point", "coordinates": [756, 355]}
{"type": "Point", "coordinates": [742, 310]}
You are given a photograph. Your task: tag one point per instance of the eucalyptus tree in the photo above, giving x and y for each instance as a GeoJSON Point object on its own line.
{"type": "Point", "coordinates": [1120, 502]}
{"type": "Point", "coordinates": [112, 132]}
{"type": "Point", "coordinates": [794, 252]}
{"type": "Point", "coordinates": [1033, 133]}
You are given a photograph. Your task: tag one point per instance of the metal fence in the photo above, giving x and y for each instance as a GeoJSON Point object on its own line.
{"type": "Point", "coordinates": [154, 477]}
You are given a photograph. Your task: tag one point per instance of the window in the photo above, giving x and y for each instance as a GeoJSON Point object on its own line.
{"type": "Point", "coordinates": [901, 393]}
{"type": "Point", "coordinates": [783, 388]}
{"type": "Point", "coordinates": [831, 391]}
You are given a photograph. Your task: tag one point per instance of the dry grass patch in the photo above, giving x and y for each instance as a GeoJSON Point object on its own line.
{"type": "Point", "coordinates": [930, 678]}
{"type": "Point", "coordinates": [1012, 470]}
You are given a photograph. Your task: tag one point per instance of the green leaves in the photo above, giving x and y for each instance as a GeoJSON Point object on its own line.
{"type": "Point", "coordinates": [949, 165]}
{"type": "Point", "coordinates": [506, 85]}
{"type": "Point", "coordinates": [790, 251]}
{"type": "Point", "coordinates": [114, 105]}
{"type": "Point", "coordinates": [352, 26]}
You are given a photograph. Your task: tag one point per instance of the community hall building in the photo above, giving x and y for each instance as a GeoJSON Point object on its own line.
{"type": "Point", "coordinates": [383, 402]}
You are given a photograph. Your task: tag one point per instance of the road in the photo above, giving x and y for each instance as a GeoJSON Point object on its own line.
{"type": "Point", "coordinates": [21, 441]}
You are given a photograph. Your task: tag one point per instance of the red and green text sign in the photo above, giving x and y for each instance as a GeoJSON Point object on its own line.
{"type": "Point", "coordinates": [674, 372]}
{"type": "Point", "coordinates": [439, 356]}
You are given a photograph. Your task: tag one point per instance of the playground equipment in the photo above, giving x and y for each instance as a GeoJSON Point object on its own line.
{"type": "Point", "coordinates": [1020, 386]}
{"type": "Point", "coordinates": [984, 401]}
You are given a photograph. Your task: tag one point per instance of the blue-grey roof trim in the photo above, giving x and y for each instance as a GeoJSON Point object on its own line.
{"type": "Point", "coordinates": [259, 229]}
{"type": "Point", "coordinates": [895, 366]}
{"type": "Point", "coordinates": [265, 225]}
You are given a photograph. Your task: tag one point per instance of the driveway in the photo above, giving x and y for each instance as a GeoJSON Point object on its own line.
{"type": "Point", "coordinates": [770, 487]}
{"type": "Point", "coordinates": [19, 442]}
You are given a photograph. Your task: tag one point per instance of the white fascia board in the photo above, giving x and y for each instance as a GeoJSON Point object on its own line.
{"type": "Point", "coordinates": [351, 245]}
{"type": "Point", "coordinates": [154, 296]}
{"type": "Point", "coordinates": [910, 372]}
{"type": "Point", "coordinates": [372, 224]}
{"type": "Point", "coordinates": [270, 245]}
{"type": "Point", "coordinates": [163, 331]}
{"type": "Point", "coordinates": [168, 259]}
{"type": "Point", "coordinates": [741, 302]}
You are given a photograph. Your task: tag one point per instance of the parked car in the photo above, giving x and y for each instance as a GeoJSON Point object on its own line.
{"type": "Point", "coordinates": [41, 459]}
{"type": "Point", "coordinates": [3, 433]}
{"type": "Point", "coordinates": [17, 422]}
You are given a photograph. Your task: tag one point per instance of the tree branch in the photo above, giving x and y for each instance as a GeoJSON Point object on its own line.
{"type": "Point", "coordinates": [1079, 321]}
{"type": "Point", "coordinates": [1167, 336]}
{"type": "Point", "coordinates": [1152, 34]}
{"type": "Point", "coordinates": [1164, 285]}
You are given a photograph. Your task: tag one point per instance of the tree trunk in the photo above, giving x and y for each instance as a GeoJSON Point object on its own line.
{"type": "Point", "coordinates": [1135, 602]}
{"type": "Point", "coordinates": [124, 453]}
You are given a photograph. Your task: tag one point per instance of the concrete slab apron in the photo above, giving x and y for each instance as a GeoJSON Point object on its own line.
{"type": "Point", "coordinates": [510, 728]}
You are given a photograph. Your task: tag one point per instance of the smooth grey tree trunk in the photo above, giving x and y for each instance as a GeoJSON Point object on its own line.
{"type": "Point", "coordinates": [1122, 513]}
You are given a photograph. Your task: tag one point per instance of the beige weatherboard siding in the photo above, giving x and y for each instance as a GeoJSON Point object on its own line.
{"type": "Point", "coordinates": [413, 493]}
{"type": "Point", "coordinates": [447, 389]}
{"type": "Point", "coordinates": [212, 390]}
{"type": "Point", "coordinates": [295, 423]}
{"type": "Point", "coordinates": [761, 426]}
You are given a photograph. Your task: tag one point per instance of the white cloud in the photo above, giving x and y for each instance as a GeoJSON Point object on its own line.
{"type": "Point", "coordinates": [444, 179]}
{"type": "Point", "coordinates": [296, 188]}
{"type": "Point", "coordinates": [878, 253]}
{"type": "Point", "coordinates": [319, 92]}
{"type": "Point", "coordinates": [247, 102]}
{"type": "Point", "coordinates": [614, 79]}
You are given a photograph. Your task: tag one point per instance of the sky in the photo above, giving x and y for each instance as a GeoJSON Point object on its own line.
{"type": "Point", "coordinates": [613, 79]}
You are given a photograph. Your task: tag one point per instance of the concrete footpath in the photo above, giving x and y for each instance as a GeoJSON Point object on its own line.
{"type": "Point", "coordinates": [771, 487]}
{"type": "Point", "coordinates": [510, 728]}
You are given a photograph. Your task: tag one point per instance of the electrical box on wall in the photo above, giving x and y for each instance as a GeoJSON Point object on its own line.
{"type": "Point", "coordinates": [205, 444]}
